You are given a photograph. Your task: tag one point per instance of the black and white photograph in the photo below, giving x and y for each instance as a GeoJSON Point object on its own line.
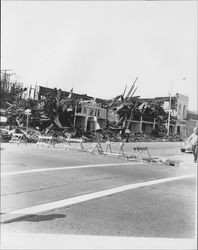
{"type": "Point", "coordinates": [99, 124]}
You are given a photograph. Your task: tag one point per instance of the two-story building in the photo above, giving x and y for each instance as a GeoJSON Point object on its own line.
{"type": "Point", "coordinates": [178, 113]}
{"type": "Point", "coordinates": [177, 106]}
{"type": "Point", "coordinates": [181, 113]}
{"type": "Point", "coordinates": [191, 122]}
{"type": "Point", "coordinates": [89, 116]}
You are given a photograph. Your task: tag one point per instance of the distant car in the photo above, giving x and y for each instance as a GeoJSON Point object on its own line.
{"type": "Point", "coordinates": [187, 144]}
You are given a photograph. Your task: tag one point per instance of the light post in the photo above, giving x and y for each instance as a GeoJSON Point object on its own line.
{"type": "Point", "coordinates": [169, 111]}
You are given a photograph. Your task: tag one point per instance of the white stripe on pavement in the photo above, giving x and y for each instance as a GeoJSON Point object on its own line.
{"type": "Point", "coordinates": [82, 198]}
{"type": "Point", "coordinates": [68, 168]}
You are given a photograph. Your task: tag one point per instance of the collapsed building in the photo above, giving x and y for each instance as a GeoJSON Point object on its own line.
{"type": "Point", "coordinates": [63, 113]}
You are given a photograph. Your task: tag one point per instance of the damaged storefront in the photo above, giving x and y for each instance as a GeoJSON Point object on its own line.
{"type": "Point", "coordinates": [89, 116]}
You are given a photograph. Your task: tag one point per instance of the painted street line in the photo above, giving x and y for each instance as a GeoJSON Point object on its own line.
{"type": "Point", "coordinates": [68, 168]}
{"type": "Point", "coordinates": [87, 197]}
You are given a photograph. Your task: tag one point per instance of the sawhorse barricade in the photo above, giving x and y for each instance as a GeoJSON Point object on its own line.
{"type": "Point", "coordinates": [96, 146]}
{"type": "Point", "coordinates": [16, 138]}
{"type": "Point", "coordinates": [137, 151]}
{"type": "Point", "coordinates": [68, 145]}
{"type": "Point", "coordinates": [120, 151]}
{"type": "Point", "coordinates": [108, 146]}
{"type": "Point", "coordinates": [45, 141]}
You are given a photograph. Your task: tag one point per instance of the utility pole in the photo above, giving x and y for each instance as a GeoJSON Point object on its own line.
{"type": "Point", "coordinates": [169, 112]}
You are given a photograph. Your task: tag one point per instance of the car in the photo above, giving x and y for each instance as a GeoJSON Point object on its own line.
{"type": "Point", "coordinates": [187, 144]}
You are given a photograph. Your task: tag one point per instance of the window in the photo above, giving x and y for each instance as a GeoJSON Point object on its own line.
{"type": "Point", "coordinates": [178, 130]}
{"type": "Point", "coordinates": [179, 109]}
{"type": "Point", "coordinates": [184, 111]}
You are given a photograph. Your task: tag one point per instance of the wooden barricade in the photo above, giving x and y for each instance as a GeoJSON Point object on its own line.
{"type": "Point", "coordinates": [137, 153]}
{"type": "Point", "coordinates": [46, 141]}
{"type": "Point", "coordinates": [16, 138]}
{"type": "Point", "coordinates": [108, 146]}
{"type": "Point", "coordinates": [69, 146]}
{"type": "Point", "coordinates": [96, 146]}
{"type": "Point", "coordinates": [120, 151]}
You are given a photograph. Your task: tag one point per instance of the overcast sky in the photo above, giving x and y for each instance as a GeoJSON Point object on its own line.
{"type": "Point", "coordinates": [98, 47]}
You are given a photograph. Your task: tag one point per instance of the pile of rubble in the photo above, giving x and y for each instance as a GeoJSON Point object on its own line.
{"type": "Point", "coordinates": [53, 113]}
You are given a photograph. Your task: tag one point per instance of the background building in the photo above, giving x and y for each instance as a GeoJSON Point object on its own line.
{"type": "Point", "coordinates": [191, 122]}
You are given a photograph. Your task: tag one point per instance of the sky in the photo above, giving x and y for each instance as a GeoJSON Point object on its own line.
{"type": "Point", "coordinates": [99, 47]}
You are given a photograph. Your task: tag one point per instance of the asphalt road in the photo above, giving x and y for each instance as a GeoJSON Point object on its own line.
{"type": "Point", "coordinates": [57, 192]}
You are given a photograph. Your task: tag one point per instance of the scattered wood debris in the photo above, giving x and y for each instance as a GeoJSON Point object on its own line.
{"type": "Point", "coordinates": [53, 113]}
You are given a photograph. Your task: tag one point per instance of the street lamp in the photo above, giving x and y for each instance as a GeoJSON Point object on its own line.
{"type": "Point", "coordinates": [169, 111]}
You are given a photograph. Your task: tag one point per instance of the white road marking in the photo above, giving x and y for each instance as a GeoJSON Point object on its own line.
{"type": "Point", "coordinates": [68, 168]}
{"type": "Point", "coordinates": [87, 197]}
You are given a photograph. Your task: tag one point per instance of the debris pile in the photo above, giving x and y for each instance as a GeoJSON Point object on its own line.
{"type": "Point", "coordinates": [125, 110]}
{"type": "Point", "coordinates": [53, 113]}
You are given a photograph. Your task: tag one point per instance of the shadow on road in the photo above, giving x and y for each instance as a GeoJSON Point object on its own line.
{"type": "Point", "coordinates": [36, 218]}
